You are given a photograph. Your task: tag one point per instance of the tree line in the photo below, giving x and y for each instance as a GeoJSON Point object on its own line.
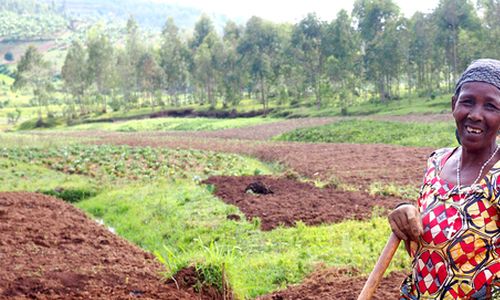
{"type": "Point", "coordinates": [374, 52]}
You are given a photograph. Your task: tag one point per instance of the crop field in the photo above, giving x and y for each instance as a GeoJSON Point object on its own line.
{"type": "Point", "coordinates": [207, 209]}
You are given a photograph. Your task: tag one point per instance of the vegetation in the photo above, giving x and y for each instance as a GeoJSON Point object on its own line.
{"type": "Point", "coordinates": [435, 135]}
{"type": "Point", "coordinates": [330, 66]}
{"type": "Point", "coordinates": [191, 124]}
{"type": "Point", "coordinates": [176, 217]}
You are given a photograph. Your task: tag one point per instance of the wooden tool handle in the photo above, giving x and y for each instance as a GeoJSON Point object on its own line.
{"type": "Point", "coordinates": [378, 271]}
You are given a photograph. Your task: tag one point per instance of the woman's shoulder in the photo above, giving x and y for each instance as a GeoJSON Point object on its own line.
{"type": "Point", "coordinates": [440, 155]}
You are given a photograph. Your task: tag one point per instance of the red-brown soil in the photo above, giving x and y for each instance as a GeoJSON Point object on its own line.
{"type": "Point", "coordinates": [292, 201]}
{"type": "Point", "coordinates": [51, 250]}
{"type": "Point", "coordinates": [339, 284]}
{"type": "Point", "coordinates": [358, 165]}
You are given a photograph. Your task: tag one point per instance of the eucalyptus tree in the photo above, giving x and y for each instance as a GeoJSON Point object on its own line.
{"type": "Point", "coordinates": [33, 73]}
{"type": "Point", "coordinates": [206, 50]}
{"type": "Point", "coordinates": [129, 71]}
{"type": "Point", "coordinates": [422, 31]}
{"type": "Point", "coordinates": [308, 39]}
{"type": "Point", "coordinates": [343, 64]}
{"type": "Point", "coordinates": [259, 46]}
{"type": "Point", "coordinates": [374, 18]}
{"type": "Point", "coordinates": [452, 16]}
{"type": "Point", "coordinates": [491, 24]}
{"type": "Point", "coordinates": [150, 76]}
{"type": "Point", "coordinates": [101, 66]}
{"type": "Point", "coordinates": [233, 73]}
{"type": "Point", "coordinates": [173, 60]}
{"type": "Point", "coordinates": [74, 76]}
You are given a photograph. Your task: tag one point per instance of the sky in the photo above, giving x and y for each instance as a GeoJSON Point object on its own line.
{"type": "Point", "coordinates": [291, 10]}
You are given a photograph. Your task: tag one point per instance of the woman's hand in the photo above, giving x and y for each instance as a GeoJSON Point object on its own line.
{"type": "Point", "coordinates": [405, 222]}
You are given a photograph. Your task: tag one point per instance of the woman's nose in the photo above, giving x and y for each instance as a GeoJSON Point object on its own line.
{"type": "Point", "coordinates": [475, 114]}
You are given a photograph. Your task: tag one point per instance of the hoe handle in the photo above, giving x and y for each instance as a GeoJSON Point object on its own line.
{"type": "Point", "coordinates": [378, 271]}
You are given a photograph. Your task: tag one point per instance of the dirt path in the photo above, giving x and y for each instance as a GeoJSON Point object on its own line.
{"type": "Point", "coordinates": [51, 250]}
{"type": "Point", "coordinates": [291, 201]}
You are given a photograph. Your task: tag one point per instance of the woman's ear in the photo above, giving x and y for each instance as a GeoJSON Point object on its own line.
{"type": "Point", "coordinates": [453, 102]}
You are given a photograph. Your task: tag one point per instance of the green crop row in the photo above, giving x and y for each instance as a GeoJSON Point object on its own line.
{"type": "Point", "coordinates": [438, 134]}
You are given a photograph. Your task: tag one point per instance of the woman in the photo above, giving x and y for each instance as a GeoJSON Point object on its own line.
{"type": "Point", "coordinates": [453, 234]}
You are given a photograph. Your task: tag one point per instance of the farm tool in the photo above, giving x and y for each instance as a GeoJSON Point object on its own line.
{"type": "Point", "coordinates": [378, 271]}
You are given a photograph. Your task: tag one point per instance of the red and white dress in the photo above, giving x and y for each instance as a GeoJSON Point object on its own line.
{"type": "Point", "coordinates": [458, 255]}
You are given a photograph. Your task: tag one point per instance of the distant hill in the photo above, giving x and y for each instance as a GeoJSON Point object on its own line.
{"type": "Point", "coordinates": [149, 14]}
{"type": "Point", "coordinates": [50, 25]}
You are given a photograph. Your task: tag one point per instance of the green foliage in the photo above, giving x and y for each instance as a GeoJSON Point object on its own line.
{"type": "Point", "coordinates": [364, 131]}
{"type": "Point", "coordinates": [70, 195]}
{"type": "Point", "coordinates": [109, 163]}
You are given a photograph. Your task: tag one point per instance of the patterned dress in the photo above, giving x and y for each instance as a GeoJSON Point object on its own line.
{"type": "Point", "coordinates": [458, 255]}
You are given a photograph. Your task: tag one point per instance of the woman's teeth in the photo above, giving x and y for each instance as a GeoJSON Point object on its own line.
{"type": "Point", "coordinates": [474, 130]}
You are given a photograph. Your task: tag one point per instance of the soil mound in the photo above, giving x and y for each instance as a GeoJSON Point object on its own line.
{"type": "Point", "coordinates": [51, 250]}
{"type": "Point", "coordinates": [339, 284]}
{"type": "Point", "coordinates": [292, 201]}
{"type": "Point", "coordinates": [189, 279]}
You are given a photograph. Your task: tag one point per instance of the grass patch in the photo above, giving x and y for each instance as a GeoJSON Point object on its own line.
{"type": "Point", "coordinates": [439, 134]}
{"type": "Point", "coordinates": [383, 189]}
{"type": "Point", "coordinates": [188, 225]}
{"type": "Point", "coordinates": [25, 176]}
{"type": "Point", "coordinates": [182, 124]}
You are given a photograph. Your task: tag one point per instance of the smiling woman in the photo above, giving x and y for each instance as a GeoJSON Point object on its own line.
{"type": "Point", "coordinates": [453, 232]}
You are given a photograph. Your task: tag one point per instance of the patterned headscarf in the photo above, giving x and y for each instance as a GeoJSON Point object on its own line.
{"type": "Point", "coordinates": [483, 70]}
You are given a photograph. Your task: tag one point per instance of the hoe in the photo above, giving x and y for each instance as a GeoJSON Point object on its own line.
{"type": "Point", "coordinates": [379, 269]}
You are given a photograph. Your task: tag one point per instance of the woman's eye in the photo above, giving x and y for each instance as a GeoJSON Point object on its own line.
{"type": "Point", "coordinates": [491, 107]}
{"type": "Point", "coordinates": [467, 102]}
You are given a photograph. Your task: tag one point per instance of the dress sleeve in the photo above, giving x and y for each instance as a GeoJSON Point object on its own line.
{"type": "Point", "coordinates": [493, 184]}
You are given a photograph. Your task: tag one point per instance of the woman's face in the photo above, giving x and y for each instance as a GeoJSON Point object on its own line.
{"type": "Point", "coordinates": [477, 114]}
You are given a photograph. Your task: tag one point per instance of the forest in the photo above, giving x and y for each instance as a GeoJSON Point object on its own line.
{"type": "Point", "coordinates": [372, 54]}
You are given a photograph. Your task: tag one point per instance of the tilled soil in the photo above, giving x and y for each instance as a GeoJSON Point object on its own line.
{"type": "Point", "coordinates": [358, 165]}
{"type": "Point", "coordinates": [339, 284]}
{"type": "Point", "coordinates": [51, 250]}
{"type": "Point", "coordinates": [291, 201]}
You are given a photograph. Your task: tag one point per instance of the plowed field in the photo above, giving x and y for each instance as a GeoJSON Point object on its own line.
{"type": "Point", "coordinates": [51, 250]}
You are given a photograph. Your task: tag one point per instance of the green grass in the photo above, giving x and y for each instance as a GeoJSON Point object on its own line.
{"type": "Point", "coordinates": [407, 105]}
{"type": "Point", "coordinates": [160, 124]}
{"type": "Point", "coordinates": [20, 176]}
{"type": "Point", "coordinates": [438, 134]}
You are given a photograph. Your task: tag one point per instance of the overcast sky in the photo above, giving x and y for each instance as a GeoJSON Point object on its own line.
{"type": "Point", "coordinates": [291, 10]}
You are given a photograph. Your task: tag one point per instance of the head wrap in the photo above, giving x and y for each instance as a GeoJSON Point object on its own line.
{"type": "Point", "coordinates": [483, 70]}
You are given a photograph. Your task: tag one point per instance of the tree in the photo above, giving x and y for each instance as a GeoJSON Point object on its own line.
{"type": "Point", "coordinates": [342, 48]}
{"type": "Point", "coordinates": [9, 56]}
{"type": "Point", "coordinates": [33, 73]}
{"type": "Point", "coordinates": [232, 75]}
{"type": "Point", "coordinates": [374, 17]}
{"type": "Point", "coordinates": [150, 75]}
{"type": "Point", "coordinates": [173, 60]}
{"type": "Point", "coordinates": [259, 46]}
{"type": "Point", "coordinates": [453, 16]}
{"type": "Point", "coordinates": [74, 75]}
{"type": "Point", "coordinates": [100, 65]}
{"type": "Point", "coordinates": [308, 38]}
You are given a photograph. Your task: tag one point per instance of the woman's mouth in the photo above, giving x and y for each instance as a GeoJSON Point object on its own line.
{"type": "Point", "coordinates": [473, 130]}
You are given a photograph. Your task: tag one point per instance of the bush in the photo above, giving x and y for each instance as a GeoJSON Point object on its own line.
{"type": "Point", "coordinates": [70, 195]}
{"type": "Point", "coordinates": [9, 56]}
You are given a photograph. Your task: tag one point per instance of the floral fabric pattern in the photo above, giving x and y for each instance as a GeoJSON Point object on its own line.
{"type": "Point", "coordinates": [458, 255]}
